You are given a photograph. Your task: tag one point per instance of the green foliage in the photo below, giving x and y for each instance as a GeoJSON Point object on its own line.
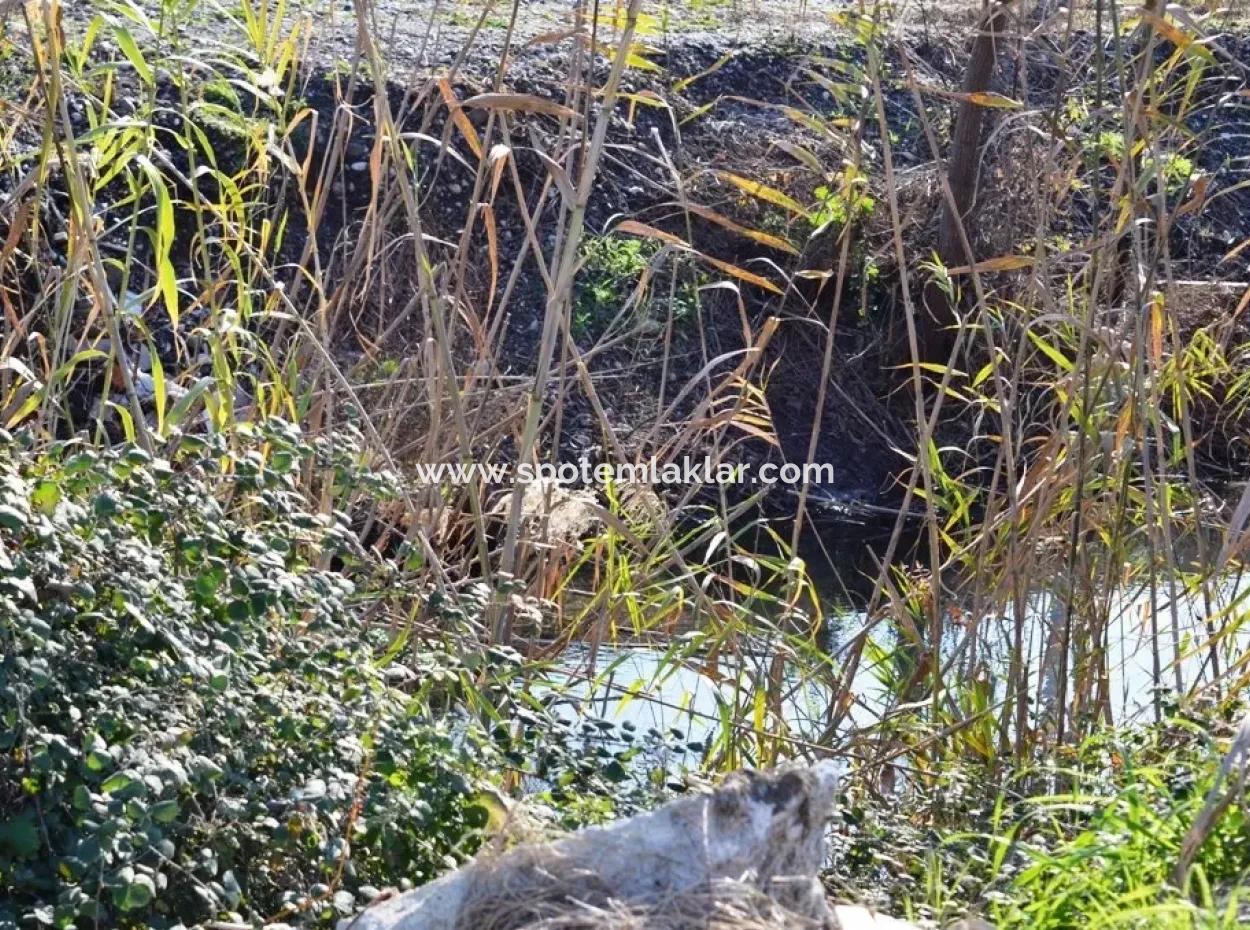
{"type": "Point", "coordinates": [192, 722]}
{"type": "Point", "coordinates": [1091, 841]}
{"type": "Point", "coordinates": [847, 201]}
{"type": "Point", "coordinates": [197, 720]}
{"type": "Point", "coordinates": [611, 268]}
{"type": "Point", "coordinates": [1175, 169]}
{"type": "Point", "coordinates": [1110, 144]}
{"type": "Point", "coordinates": [1103, 854]}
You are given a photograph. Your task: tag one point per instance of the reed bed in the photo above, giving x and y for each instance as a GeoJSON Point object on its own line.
{"type": "Point", "coordinates": [216, 214]}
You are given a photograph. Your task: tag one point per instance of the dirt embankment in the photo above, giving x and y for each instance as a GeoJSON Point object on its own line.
{"type": "Point", "coordinates": [778, 99]}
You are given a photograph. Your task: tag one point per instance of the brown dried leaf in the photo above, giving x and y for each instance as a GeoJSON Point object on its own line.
{"type": "Point", "coordinates": [1001, 263]}
{"type": "Point", "coordinates": [458, 117]}
{"type": "Point", "coordinates": [518, 103]}
{"type": "Point", "coordinates": [773, 242]}
{"type": "Point", "coordinates": [762, 191]}
{"type": "Point", "coordinates": [633, 227]}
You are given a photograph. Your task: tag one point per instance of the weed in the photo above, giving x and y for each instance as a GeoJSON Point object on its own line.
{"type": "Point", "coordinates": [612, 268]}
{"type": "Point", "coordinates": [843, 203]}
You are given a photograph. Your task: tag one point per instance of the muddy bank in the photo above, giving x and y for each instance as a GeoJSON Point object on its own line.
{"type": "Point", "coordinates": [783, 104]}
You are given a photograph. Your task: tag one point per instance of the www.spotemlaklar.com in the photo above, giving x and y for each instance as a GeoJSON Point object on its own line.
{"type": "Point", "coordinates": [651, 472]}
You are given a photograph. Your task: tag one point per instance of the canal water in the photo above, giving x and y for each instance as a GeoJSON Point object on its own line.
{"type": "Point", "coordinates": [645, 688]}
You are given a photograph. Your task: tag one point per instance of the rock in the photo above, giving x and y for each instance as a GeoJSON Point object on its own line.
{"type": "Point", "coordinates": [853, 917]}
{"type": "Point", "coordinates": [746, 855]}
{"type": "Point", "coordinates": [561, 516]}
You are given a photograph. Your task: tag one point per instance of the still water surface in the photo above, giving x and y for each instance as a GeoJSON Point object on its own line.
{"type": "Point", "coordinates": [635, 685]}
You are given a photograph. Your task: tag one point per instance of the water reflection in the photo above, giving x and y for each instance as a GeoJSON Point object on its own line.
{"type": "Point", "coordinates": [1150, 635]}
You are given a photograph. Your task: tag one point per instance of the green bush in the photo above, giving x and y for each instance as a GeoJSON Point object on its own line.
{"type": "Point", "coordinates": [193, 720]}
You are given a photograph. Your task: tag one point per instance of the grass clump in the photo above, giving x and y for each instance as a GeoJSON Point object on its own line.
{"type": "Point", "coordinates": [612, 267]}
{"type": "Point", "coordinates": [1090, 839]}
{"type": "Point", "coordinates": [1103, 853]}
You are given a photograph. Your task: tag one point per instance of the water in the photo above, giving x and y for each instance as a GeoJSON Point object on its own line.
{"type": "Point", "coordinates": [1142, 622]}
{"type": "Point", "coordinates": [637, 684]}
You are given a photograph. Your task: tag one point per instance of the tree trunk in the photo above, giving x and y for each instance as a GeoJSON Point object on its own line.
{"type": "Point", "coordinates": [963, 163]}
